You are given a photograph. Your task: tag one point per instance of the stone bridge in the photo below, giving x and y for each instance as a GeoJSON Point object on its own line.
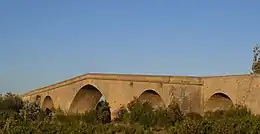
{"type": "Point", "coordinates": [193, 94]}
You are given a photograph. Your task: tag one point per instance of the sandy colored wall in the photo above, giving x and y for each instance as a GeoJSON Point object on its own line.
{"type": "Point", "coordinates": [241, 89]}
{"type": "Point", "coordinates": [119, 90]}
{"type": "Point", "coordinates": [193, 94]}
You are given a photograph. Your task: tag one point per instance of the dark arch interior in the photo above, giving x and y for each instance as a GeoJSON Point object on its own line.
{"type": "Point", "coordinates": [218, 101]}
{"type": "Point", "coordinates": [152, 97]}
{"type": "Point", "coordinates": [47, 103]}
{"type": "Point", "coordinates": [86, 99]}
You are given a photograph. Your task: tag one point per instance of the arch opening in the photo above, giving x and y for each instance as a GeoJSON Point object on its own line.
{"type": "Point", "coordinates": [86, 99]}
{"type": "Point", "coordinates": [47, 103]}
{"type": "Point", "coordinates": [218, 101]}
{"type": "Point", "coordinates": [152, 97]}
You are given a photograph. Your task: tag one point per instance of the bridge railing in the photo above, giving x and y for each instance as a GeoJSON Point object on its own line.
{"type": "Point", "coordinates": [190, 80]}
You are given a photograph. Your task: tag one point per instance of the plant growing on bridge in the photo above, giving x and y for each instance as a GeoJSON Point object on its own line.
{"type": "Point", "coordinates": [256, 60]}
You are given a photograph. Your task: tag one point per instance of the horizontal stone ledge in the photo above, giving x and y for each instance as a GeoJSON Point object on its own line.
{"type": "Point", "coordinates": [130, 78]}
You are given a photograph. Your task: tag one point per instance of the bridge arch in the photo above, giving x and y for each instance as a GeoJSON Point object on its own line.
{"type": "Point", "coordinates": [218, 101]}
{"type": "Point", "coordinates": [152, 97]}
{"type": "Point", "coordinates": [47, 103]}
{"type": "Point", "coordinates": [86, 99]}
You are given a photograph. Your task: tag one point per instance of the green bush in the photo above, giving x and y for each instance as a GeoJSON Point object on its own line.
{"type": "Point", "coordinates": [10, 102]}
{"type": "Point", "coordinates": [138, 117]}
{"type": "Point", "coordinates": [193, 116]}
{"type": "Point", "coordinates": [174, 113]}
{"type": "Point", "coordinates": [122, 114]}
{"type": "Point", "coordinates": [103, 112]}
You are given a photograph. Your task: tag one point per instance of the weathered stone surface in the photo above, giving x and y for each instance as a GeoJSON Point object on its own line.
{"type": "Point", "coordinates": [193, 94]}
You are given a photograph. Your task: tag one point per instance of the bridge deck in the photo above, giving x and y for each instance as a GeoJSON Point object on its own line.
{"type": "Point", "coordinates": [124, 77]}
{"type": "Point", "coordinates": [188, 80]}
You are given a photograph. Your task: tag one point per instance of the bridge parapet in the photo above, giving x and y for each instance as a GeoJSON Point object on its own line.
{"type": "Point", "coordinates": [56, 85]}
{"type": "Point", "coordinates": [190, 80]}
{"type": "Point", "coordinates": [185, 80]}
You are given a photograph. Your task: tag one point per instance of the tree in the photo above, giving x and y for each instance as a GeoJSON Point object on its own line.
{"type": "Point", "coordinates": [103, 112]}
{"type": "Point", "coordinates": [256, 60]}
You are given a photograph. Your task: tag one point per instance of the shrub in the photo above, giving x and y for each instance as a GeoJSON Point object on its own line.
{"type": "Point", "coordinates": [121, 115]}
{"type": "Point", "coordinates": [10, 102]}
{"type": "Point", "coordinates": [103, 112]}
{"type": "Point", "coordinates": [193, 116]}
{"type": "Point", "coordinates": [174, 113]}
{"type": "Point", "coordinates": [187, 126]}
{"type": "Point", "coordinates": [234, 112]}
{"type": "Point", "coordinates": [31, 112]}
{"type": "Point", "coordinates": [141, 112]}
{"type": "Point", "coordinates": [139, 117]}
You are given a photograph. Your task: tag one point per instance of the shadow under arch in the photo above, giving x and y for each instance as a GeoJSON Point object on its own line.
{"type": "Point", "coordinates": [218, 101]}
{"type": "Point", "coordinates": [86, 99]}
{"type": "Point", "coordinates": [152, 97]}
{"type": "Point", "coordinates": [47, 103]}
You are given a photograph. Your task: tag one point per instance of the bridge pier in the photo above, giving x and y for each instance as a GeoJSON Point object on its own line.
{"type": "Point", "coordinates": [115, 107]}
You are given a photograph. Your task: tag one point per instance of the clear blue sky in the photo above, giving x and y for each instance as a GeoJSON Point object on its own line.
{"type": "Point", "coordinates": [43, 42]}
